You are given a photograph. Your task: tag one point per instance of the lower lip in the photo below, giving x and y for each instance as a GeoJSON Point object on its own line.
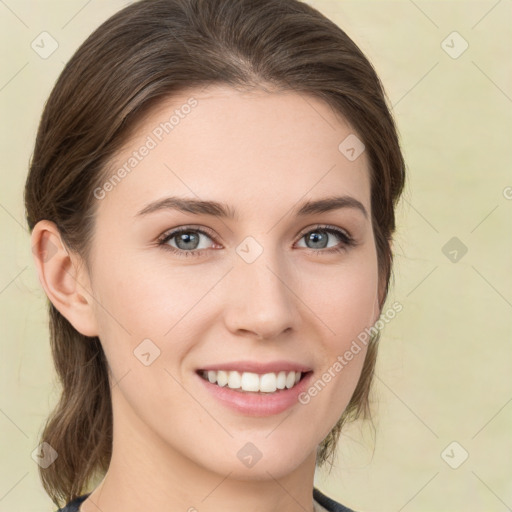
{"type": "Point", "coordinates": [258, 404]}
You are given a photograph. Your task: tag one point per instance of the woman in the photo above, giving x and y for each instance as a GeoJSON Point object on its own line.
{"type": "Point", "coordinates": [211, 199]}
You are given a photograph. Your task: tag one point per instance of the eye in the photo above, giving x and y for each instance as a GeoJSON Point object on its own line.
{"type": "Point", "coordinates": [185, 241]}
{"type": "Point", "coordinates": [317, 239]}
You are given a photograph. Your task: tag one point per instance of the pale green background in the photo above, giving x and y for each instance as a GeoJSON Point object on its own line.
{"type": "Point", "coordinates": [445, 360]}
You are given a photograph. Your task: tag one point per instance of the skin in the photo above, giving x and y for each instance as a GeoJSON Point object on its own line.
{"type": "Point", "coordinates": [262, 153]}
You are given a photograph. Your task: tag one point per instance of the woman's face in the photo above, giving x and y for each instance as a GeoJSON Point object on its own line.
{"type": "Point", "coordinates": [261, 290]}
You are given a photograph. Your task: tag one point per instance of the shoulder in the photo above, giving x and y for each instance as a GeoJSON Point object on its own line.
{"type": "Point", "coordinates": [73, 505]}
{"type": "Point", "coordinates": [329, 504]}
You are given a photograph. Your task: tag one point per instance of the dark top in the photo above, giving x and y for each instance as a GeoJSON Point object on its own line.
{"type": "Point", "coordinates": [326, 502]}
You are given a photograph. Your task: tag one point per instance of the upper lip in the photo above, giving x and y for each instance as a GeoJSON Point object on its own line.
{"type": "Point", "coordinates": [257, 367]}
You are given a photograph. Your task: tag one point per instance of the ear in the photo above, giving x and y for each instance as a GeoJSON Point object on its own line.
{"type": "Point", "coordinates": [64, 279]}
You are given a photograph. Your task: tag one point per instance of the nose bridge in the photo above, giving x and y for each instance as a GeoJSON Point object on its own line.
{"type": "Point", "coordinates": [260, 299]}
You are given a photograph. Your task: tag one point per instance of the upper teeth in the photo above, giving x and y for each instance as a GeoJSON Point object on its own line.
{"type": "Point", "coordinates": [247, 381]}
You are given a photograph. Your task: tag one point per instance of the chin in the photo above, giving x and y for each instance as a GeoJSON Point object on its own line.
{"type": "Point", "coordinates": [260, 461]}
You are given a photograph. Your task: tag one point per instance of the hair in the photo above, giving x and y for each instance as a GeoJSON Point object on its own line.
{"type": "Point", "coordinates": [145, 53]}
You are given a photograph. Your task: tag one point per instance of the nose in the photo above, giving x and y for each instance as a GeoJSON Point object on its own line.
{"type": "Point", "coordinates": [260, 299]}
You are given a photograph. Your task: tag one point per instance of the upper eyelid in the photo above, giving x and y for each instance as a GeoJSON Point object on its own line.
{"type": "Point", "coordinates": [174, 231]}
{"type": "Point", "coordinates": [324, 226]}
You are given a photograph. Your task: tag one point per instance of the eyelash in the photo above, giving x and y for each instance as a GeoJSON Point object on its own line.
{"type": "Point", "coordinates": [346, 240]}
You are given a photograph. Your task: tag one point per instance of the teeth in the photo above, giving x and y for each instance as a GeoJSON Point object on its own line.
{"type": "Point", "coordinates": [268, 383]}
{"type": "Point", "coordinates": [281, 380]}
{"type": "Point", "coordinates": [234, 380]}
{"type": "Point", "coordinates": [248, 381]}
{"type": "Point", "coordinates": [290, 380]}
{"type": "Point", "coordinates": [222, 378]}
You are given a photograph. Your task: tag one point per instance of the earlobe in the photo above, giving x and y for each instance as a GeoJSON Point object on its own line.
{"type": "Point", "coordinates": [62, 278]}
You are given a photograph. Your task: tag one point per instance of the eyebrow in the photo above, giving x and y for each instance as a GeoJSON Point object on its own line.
{"type": "Point", "coordinates": [222, 210]}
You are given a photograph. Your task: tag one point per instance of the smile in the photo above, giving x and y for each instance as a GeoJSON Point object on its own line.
{"type": "Point", "coordinates": [253, 382]}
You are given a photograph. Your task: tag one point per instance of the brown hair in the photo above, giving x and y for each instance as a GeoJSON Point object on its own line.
{"type": "Point", "coordinates": [146, 52]}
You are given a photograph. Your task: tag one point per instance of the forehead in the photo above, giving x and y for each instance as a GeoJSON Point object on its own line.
{"type": "Point", "coordinates": [249, 148]}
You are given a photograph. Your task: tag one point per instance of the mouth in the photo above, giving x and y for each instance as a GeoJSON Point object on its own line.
{"type": "Point", "coordinates": [254, 383]}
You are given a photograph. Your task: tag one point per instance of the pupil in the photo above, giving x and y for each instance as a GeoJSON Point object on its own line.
{"type": "Point", "coordinates": [317, 239]}
{"type": "Point", "coordinates": [187, 238]}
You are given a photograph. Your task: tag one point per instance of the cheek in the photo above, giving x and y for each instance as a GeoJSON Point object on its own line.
{"type": "Point", "coordinates": [345, 302]}
{"type": "Point", "coordinates": [142, 300]}
{"type": "Point", "coordinates": [345, 298]}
